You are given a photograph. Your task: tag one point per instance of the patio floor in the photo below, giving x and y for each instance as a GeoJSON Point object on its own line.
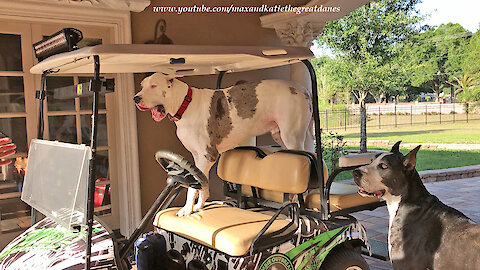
{"type": "Point", "coordinates": [462, 194]}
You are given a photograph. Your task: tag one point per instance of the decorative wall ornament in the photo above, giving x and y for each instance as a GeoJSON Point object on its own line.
{"type": "Point", "coordinates": [130, 5]}
{"type": "Point", "coordinates": [300, 29]}
{"type": "Point", "coordinates": [159, 36]}
{"type": "Point", "coordinates": [298, 33]}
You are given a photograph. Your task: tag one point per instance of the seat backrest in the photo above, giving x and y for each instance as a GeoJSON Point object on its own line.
{"type": "Point", "coordinates": [274, 174]}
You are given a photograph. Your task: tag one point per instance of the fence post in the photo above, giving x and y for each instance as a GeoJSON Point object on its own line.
{"type": "Point", "coordinates": [453, 111]}
{"type": "Point", "coordinates": [440, 113]}
{"type": "Point", "coordinates": [379, 113]}
{"type": "Point", "coordinates": [395, 108]}
{"type": "Point", "coordinates": [345, 118]}
{"type": "Point", "coordinates": [466, 110]}
{"type": "Point", "coordinates": [411, 114]}
{"type": "Point", "coordinates": [426, 113]}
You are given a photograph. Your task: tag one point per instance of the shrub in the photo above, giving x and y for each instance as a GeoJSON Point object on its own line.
{"type": "Point", "coordinates": [332, 147]}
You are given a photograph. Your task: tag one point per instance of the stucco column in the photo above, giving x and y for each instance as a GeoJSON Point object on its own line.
{"type": "Point", "coordinates": [296, 30]}
{"type": "Point", "coordinates": [300, 29]}
{"type": "Point", "coordinates": [299, 73]}
{"type": "Point", "coordinates": [299, 32]}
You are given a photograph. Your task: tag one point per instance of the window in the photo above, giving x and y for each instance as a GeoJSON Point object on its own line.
{"type": "Point", "coordinates": [65, 120]}
{"type": "Point", "coordinates": [14, 214]}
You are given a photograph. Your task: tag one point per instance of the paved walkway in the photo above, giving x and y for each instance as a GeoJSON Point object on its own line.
{"type": "Point", "coordinates": [462, 194]}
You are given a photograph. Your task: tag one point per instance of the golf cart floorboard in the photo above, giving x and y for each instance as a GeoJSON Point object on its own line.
{"type": "Point", "coordinates": [379, 250]}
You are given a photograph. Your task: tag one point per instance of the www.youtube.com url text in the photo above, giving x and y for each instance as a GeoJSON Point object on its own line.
{"type": "Point", "coordinates": [244, 9]}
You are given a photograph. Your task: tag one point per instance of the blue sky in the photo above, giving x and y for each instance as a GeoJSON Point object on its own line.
{"type": "Point", "coordinates": [464, 12]}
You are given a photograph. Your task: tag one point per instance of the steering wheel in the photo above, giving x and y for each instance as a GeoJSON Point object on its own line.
{"type": "Point", "coordinates": [180, 170]}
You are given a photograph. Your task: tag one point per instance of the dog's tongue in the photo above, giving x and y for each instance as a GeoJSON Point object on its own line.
{"type": "Point", "coordinates": [158, 113]}
{"type": "Point", "coordinates": [363, 192]}
{"type": "Point", "coordinates": [378, 194]}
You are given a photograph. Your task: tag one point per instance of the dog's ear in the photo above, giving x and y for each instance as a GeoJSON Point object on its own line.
{"type": "Point", "coordinates": [396, 147]}
{"type": "Point", "coordinates": [411, 159]}
{"type": "Point", "coordinates": [169, 79]}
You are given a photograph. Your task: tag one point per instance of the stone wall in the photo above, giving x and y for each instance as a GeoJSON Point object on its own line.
{"type": "Point", "coordinates": [450, 173]}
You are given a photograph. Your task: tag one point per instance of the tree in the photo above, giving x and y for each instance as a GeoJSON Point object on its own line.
{"type": "Point", "coordinates": [436, 56]}
{"type": "Point", "coordinates": [471, 62]}
{"type": "Point", "coordinates": [327, 89]}
{"type": "Point", "coordinates": [471, 94]}
{"type": "Point", "coordinates": [464, 82]}
{"type": "Point", "coordinates": [393, 81]}
{"type": "Point", "coordinates": [470, 82]}
{"type": "Point", "coordinates": [364, 43]}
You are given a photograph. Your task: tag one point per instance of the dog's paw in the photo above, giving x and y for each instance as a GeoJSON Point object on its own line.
{"type": "Point", "coordinates": [185, 211]}
{"type": "Point", "coordinates": [197, 207]}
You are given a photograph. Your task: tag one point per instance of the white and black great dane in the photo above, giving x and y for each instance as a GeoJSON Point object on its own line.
{"type": "Point", "coordinates": [210, 122]}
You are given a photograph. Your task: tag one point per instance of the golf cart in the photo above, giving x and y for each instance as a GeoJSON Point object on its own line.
{"type": "Point", "coordinates": [257, 226]}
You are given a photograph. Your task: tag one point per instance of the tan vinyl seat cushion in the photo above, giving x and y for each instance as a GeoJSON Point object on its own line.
{"type": "Point", "coordinates": [279, 171]}
{"type": "Point", "coordinates": [342, 196]}
{"type": "Point", "coordinates": [228, 229]}
{"type": "Point", "coordinates": [355, 159]}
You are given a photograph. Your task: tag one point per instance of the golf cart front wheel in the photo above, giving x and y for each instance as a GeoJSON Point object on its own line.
{"type": "Point", "coordinates": [344, 259]}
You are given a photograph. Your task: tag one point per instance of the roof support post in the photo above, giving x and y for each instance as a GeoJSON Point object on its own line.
{"type": "Point", "coordinates": [96, 87]}
{"type": "Point", "coordinates": [219, 79]}
{"type": "Point", "coordinates": [324, 198]}
{"type": "Point", "coordinates": [40, 95]}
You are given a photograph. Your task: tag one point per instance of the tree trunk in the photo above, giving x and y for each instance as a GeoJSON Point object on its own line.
{"type": "Point", "coordinates": [437, 91]}
{"type": "Point", "coordinates": [363, 126]}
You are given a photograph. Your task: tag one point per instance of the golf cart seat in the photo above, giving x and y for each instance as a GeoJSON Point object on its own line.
{"type": "Point", "coordinates": [358, 159]}
{"type": "Point", "coordinates": [276, 177]}
{"type": "Point", "coordinates": [345, 197]}
{"type": "Point", "coordinates": [342, 196]}
{"type": "Point", "coordinates": [236, 231]}
{"type": "Point", "coordinates": [228, 229]}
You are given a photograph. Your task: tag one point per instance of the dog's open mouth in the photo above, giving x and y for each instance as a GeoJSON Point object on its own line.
{"type": "Point", "coordinates": [364, 193]}
{"type": "Point", "coordinates": [158, 113]}
{"type": "Point", "coordinates": [141, 107]}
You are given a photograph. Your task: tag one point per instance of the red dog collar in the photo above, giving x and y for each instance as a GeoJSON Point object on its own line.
{"type": "Point", "coordinates": [183, 107]}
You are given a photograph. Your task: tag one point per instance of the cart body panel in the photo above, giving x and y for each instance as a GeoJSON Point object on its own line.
{"type": "Point", "coordinates": [307, 249]}
{"type": "Point", "coordinates": [47, 245]}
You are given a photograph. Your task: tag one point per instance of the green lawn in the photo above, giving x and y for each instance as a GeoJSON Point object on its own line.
{"type": "Point", "coordinates": [433, 159]}
{"type": "Point", "coordinates": [459, 132]}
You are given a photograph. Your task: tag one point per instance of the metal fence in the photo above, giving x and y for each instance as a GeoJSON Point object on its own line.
{"type": "Point", "coordinates": [394, 115]}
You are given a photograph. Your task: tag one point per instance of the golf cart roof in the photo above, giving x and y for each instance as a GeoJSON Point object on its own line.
{"type": "Point", "coordinates": [182, 60]}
